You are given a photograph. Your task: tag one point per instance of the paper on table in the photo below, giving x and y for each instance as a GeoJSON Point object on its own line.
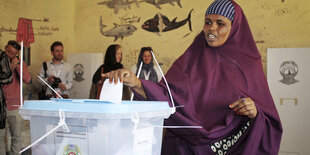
{"type": "Point", "coordinates": [111, 92]}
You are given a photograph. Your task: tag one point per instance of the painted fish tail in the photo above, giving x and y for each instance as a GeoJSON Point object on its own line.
{"type": "Point", "coordinates": [137, 3]}
{"type": "Point", "coordinates": [101, 26]}
{"type": "Point", "coordinates": [179, 3]}
{"type": "Point", "coordinates": [189, 20]}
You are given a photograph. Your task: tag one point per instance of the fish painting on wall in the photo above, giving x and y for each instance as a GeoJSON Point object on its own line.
{"type": "Point", "coordinates": [126, 4]}
{"type": "Point", "coordinates": [161, 23]}
{"type": "Point", "coordinates": [157, 3]}
{"type": "Point", "coordinates": [118, 4]}
{"type": "Point", "coordinates": [118, 31]}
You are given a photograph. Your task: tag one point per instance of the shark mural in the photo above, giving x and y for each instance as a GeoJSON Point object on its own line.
{"type": "Point", "coordinates": [118, 4]}
{"type": "Point", "coordinates": [157, 3]}
{"type": "Point", "coordinates": [118, 31]}
{"type": "Point", "coordinates": [161, 23]}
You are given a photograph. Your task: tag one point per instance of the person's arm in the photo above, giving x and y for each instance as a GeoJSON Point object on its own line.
{"type": "Point", "coordinates": [137, 87]}
{"type": "Point", "coordinates": [97, 75]}
{"type": "Point", "coordinates": [93, 87]}
{"type": "Point", "coordinates": [26, 73]}
{"type": "Point", "coordinates": [5, 71]}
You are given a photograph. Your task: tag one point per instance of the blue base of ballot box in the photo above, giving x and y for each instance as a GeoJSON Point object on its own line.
{"type": "Point", "coordinates": [96, 127]}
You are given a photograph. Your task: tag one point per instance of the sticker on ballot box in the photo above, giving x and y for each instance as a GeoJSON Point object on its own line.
{"type": "Point", "coordinates": [143, 140]}
{"type": "Point", "coordinates": [74, 142]}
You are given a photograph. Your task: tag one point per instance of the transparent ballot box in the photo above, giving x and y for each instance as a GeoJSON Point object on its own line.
{"type": "Point", "coordinates": [96, 127]}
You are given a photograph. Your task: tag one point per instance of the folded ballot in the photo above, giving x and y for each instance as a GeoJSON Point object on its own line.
{"type": "Point", "coordinates": [111, 92]}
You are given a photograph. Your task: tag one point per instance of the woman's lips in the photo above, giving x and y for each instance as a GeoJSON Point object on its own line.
{"type": "Point", "coordinates": [210, 37]}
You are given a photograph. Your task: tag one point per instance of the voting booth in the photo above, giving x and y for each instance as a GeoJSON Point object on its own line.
{"type": "Point", "coordinates": [84, 65]}
{"type": "Point", "coordinates": [288, 77]}
{"type": "Point", "coordinates": [96, 127]}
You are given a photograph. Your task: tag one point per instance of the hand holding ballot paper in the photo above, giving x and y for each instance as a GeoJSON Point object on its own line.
{"type": "Point", "coordinates": [111, 92]}
{"type": "Point", "coordinates": [127, 77]}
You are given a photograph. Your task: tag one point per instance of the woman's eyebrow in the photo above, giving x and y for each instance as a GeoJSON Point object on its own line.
{"type": "Point", "coordinates": [219, 20]}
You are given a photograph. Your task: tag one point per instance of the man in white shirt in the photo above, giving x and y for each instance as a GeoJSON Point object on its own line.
{"type": "Point", "coordinates": [58, 73]}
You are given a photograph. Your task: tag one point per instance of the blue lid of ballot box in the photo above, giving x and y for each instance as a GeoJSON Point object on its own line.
{"type": "Point", "coordinates": [95, 106]}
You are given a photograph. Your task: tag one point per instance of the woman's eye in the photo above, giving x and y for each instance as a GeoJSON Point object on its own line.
{"type": "Point", "coordinates": [208, 23]}
{"type": "Point", "coordinates": [221, 24]}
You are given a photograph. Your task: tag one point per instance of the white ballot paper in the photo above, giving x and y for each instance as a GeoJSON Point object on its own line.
{"type": "Point", "coordinates": [111, 92]}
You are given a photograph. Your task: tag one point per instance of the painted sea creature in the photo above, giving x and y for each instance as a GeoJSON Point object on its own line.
{"type": "Point", "coordinates": [157, 3]}
{"type": "Point", "coordinates": [118, 31]}
{"type": "Point", "coordinates": [161, 23]}
{"type": "Point", "coordinates": [118, 4]}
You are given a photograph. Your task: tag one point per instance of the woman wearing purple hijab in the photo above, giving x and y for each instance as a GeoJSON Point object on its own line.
{"type": "Point", "coordinates": [221, 84]}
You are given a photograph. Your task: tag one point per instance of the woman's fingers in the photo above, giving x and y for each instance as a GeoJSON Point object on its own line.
{"type": "Point", "coordinates": [128, 78]}
{"type": "Point", "coordinates": [105, 75]}
{"type": "Point", "coordinates": [124, 75]}
{"type": "Point", "coordinates": [237, 105]}
{"type": "Point", "coordinates": [244, 106]}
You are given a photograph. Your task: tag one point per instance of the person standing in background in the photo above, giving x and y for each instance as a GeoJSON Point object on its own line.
{"type": "Point", "coordinates": [59, 73]}
{"type": "Point", "coordinates": [112, 61]}
{"type": "Point", "coordinates": [149, 71]}
{"type": "Point", "coordinates": [14, 122]}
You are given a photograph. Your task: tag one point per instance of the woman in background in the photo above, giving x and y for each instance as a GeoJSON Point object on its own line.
{"type": "Point", "coordinates": [149, 71]}
{"type": "Point", "coordinates": [112, 61]}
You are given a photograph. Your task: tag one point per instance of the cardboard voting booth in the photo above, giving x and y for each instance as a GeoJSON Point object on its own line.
{"type": "Point", "coordinates": [97, 127]}
{"type": "Point", "coordinates": [84, 65]}
{"type": "Point", "coordinates": [288, 77]}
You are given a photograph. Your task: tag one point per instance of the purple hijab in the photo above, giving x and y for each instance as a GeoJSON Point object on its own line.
{"type": "Point", "coordinates": [206, 80]}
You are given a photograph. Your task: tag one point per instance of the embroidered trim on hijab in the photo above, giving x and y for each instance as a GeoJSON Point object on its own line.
{"type": "Point", "coordinates": [222, 7]}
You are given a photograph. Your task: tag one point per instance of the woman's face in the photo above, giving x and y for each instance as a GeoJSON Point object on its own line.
{"type": "Point", "coordinates": [118, 55]}
{"type": "Point", "coordinates": [147, 57]}
{"type": "Point", "coordinates": [216, 29]}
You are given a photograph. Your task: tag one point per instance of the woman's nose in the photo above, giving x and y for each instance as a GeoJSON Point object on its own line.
{"type": "Point", "coordinates": [213, 27]}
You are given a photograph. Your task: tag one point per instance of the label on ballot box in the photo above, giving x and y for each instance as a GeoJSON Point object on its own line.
{"type": "Point", "coordinates": [78, 135]}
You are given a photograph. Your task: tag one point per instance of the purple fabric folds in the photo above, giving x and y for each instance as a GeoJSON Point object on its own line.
{"type": "Point", "coordinates": [206, 80]}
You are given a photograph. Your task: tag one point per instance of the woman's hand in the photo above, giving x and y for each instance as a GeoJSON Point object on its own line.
{"type": "Point", "coordinates": [127, 77]}
{"type": "Point", "coordinates": [124, 75]}
{"type": "Point", "coordinates": [244, 106]}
